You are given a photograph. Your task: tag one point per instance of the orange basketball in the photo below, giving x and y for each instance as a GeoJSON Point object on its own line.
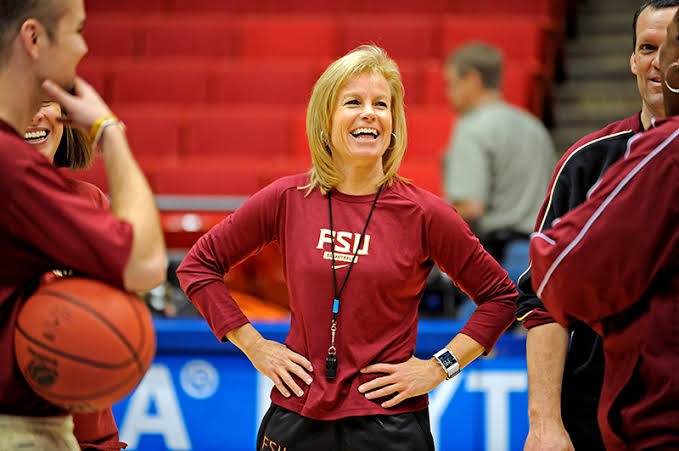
{"type": "Point", "coordinates": [82, 344]}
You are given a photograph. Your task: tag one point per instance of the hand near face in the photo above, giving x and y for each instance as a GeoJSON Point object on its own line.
{"type": "Point", "coordinates": [413, 377]}
{"type": "Point", "coordinates": [84, 107]}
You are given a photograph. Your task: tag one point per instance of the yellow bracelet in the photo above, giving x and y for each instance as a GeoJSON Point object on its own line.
{"type": "Point", "coordinates": [110, 120]}
{"type": "Point", "coordinates": [97, 125]}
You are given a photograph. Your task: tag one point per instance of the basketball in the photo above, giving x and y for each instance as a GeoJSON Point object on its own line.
{"type": "Point", "coordinates": [82, 344]}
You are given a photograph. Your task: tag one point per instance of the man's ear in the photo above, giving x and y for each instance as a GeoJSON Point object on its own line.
{"type": "Point", "coordinates": [31, 35]}
{"type": "Point", "coordinates": [633, 64]}
{"type": "Point", "coordinates": [475, 77]}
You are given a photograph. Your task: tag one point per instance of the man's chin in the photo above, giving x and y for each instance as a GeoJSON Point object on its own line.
{"type": "Point", "coordinates": [655, 88]}
{"type": "Point", "coordinates": [66, 85]}
{"type": "Point", "coordinates": [70, 86]}
{"type": "Point", "coordinates": [656, 106]}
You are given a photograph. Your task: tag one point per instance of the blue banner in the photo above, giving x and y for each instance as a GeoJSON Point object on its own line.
{"type": "Point", "coordinates": [200, 394]}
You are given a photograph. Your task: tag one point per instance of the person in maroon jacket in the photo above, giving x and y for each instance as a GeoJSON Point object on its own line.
{"type": "Point", "coordinates": [358, 242]}
{"type": "Point", "coordinates": [612, 263]}
{"type": "Point", "coordinates": [70, 148]}
{"type": "Point", "coordinates": [566, 365]}
{"type": "Point", "coordinates": [45, 223]}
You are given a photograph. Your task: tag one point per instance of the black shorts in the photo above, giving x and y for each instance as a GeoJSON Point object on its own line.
{"type": "Point", "coordinates": [285, 430]}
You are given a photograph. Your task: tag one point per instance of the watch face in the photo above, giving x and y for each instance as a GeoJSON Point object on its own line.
{"type": "Point", "coordinates": [447, 359]}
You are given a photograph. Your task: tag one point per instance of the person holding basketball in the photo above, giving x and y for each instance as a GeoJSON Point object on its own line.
{"type": "Point", "coordinates": [46, 223]}
{"type": "Point", "coordinates": [70, 148]}
{"type": "Point", "coordinates": [358, 242]}
{"type": "Point", "coordinates": [612, 263]}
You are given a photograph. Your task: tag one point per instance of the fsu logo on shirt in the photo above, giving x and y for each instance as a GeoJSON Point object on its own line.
{"type": "Point", "coordinates": [346, 245]}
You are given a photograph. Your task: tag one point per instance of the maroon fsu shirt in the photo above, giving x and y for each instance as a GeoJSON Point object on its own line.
{"type": "Point", "coordinates": [410, 230]}
{"type": "Point", "coordinates": [45, 224]}
{"type": "Point", "coordinates": [613, 263]}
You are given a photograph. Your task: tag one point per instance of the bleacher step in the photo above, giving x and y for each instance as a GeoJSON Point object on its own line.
{"type": "Point", "coordinates": [613, 66]}
{"type": "Point", "coordinates": [588, 111]}
{"type": "Point", "coordinates": [606, 23]}
{"type": "Point", "coordinates": [598, 89]}
{"type": "Point", "coordinates": [601, 44]}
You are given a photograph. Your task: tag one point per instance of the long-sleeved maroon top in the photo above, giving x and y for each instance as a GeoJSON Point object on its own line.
{"type": "Point", "coordinates": [410, 230]}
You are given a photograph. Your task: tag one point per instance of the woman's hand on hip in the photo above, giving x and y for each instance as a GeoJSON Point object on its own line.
{"type": "Point", "coordinates": [279, 363]}
{"type": "Point", "coordinates": [411, 378]}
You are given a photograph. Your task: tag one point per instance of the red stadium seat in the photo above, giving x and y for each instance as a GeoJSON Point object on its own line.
{"type": "Point", "coordinates": [278, 168]}
{"type": "Point", "coordinates": [402, 36]}
{"type": "Point", "coordinates": [309, 7]}
{"type": "Point", "coordinates": [127, 5]}
{"type": "Point", "coordinates": [520, 38]}
{"type": "Point", "coordinates": [261, 133]}
{"type": "Point", "coordinates": [309, 38]}
{"type": "Point", "coordinates": [400, 6]}
{"type": "Point", "coordinates": [435, 87]}
{"type": "Point", "coordinates": [208, 177]}
{"type": "Point", "coordinates": [189, 35]}
{"type": "Point", "coordinates": [551, 14]}
{"type": "Point", "coordinates": [219, 6]}
{"type": "Point", "coordinates": [299, 143]}
{"type": "Point", "coordinates": [426, 173]}
{"type": "Point", "coordinates": [428, 131]}
{"type": "Point", "coordinates": [98, 73]}
{"type": "Point", "coordinates": [113, 35]}
{"type": "Point", "coordinates": [263, 6]}
{"type": "Point", "coordinates": [413, 82]}
{"type": "Point", "coordinates": [279, 83]}
{"type": "Point", "coordinates": [555, 10]}
{"type": "Point", "coordinates": [158, 80]}
{"type": "Point", "coordinates": [154, 133]}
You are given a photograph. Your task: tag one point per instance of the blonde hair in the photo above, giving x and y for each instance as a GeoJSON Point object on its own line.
{"type": "Point", "coordinates": [367, 58]}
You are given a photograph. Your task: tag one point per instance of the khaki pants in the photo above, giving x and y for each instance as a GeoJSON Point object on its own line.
{"type": "Point", "coordinates": [37, 433]}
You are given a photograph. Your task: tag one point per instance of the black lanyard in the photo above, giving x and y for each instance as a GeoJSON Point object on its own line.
{"type": "Point", "coordinates": [331, 360]}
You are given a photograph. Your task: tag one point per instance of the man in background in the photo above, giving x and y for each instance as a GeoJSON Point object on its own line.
{"type": "Point", "coordinates": [499, 158]}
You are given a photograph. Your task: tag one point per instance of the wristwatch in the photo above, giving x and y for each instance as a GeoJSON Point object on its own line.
{"type": "Point", "coordinates": [448, 362]}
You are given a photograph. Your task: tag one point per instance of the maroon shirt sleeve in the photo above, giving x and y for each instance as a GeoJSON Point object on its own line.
{"type": "Point", "coordinates": [241, 234]}
{"type": "Point", "coordinates": [458, 252]}
{"type": "Point", "coordinates": [601, 257]}
{"type": "Point", "coordinates": [48, 213]}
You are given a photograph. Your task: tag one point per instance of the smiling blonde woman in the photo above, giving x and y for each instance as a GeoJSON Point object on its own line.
{"type": "Point", "coordinates": [358, 243]}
